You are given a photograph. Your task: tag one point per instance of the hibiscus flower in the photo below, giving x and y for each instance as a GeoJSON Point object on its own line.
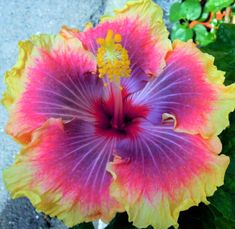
{"type": "Point", "coordinates": [116, 118]}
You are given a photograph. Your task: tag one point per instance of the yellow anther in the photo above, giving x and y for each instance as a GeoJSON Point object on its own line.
{"type": "Point", "coordinates": [112, 58]}
{"type": "Point", "coordinates": [117, 38]}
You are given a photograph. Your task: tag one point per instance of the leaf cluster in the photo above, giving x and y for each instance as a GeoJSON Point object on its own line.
{"type": "Point", "coordinates": [184, 13]}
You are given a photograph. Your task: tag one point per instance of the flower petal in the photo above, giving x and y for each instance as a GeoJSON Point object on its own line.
{"type": "Point", "coordinates": [63, 172]}
{"type": "Point", "coordinates": [16, 77]}
{"type": "Point", "coordinates": [191, 89]}
{"type": "Point", "coordinates": [144, 36]}
{"type": "Point", "coordinates": [56, 82]}
{"type": "Point", "coordinates": [161, 172]}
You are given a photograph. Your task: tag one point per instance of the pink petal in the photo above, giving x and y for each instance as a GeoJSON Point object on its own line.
{"type": "Point", "coordinates": [63, 172]}
{"type": "Point", "coordinates": [191, 89]}
{"type": "Point", "coordinates": [160, 172]}
{"type": "Point", "coordinates": [59, 85]}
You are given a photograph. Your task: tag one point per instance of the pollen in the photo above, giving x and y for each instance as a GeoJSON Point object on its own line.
{"type": "Point", "coordinates": [112, 58]}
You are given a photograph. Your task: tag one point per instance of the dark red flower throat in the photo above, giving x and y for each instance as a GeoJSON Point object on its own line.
{"type": "Point", "coordinates": [118, 116]}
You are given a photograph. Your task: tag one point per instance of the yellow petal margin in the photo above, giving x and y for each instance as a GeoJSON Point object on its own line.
{"type": "Point", "coordinates": [161, 209]}
{"type": "Point", "coordinates": [22, 180]}
{"type": "Point", "coordinates": [218, 118]}
{"type": "Point", "coordinates": [16, 78]}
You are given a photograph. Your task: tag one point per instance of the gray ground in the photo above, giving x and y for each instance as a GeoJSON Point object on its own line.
{"type": "Point", "coordinates": [18, 20]}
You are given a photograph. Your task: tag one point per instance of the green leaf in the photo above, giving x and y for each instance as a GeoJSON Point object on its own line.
{"type": "Point", "coordinates": [228, 139]}
{"type": "Point", "coordinates": [191, 9]}
{"type": "Point", "coordinates": [181, 32]}
{"type": "Point", "coordinates": [220, 221]}
{"type": "Point", "coordinates": [216, 5]}
{"type": "Point", "coordinates": [197, 217]}
{"type": "Point", "coordinates": [176, 12]}
{"type": "Point", "coordinates": [224, 198]}
{"type": "Point", "coordinates": [203, 217]}
{"type": "Point", "coordinates": [203, 37]}
{"type": "Point", "coordinates": [223, 49]}
{"type": "Point", "coordinates": [120, 221]}
{"type": "Point", "coordinates": [223, 223]}
{"type": "Point", "coordinates": [204, 16]}
{"type": "Point", "coordinates": [84, 226]}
